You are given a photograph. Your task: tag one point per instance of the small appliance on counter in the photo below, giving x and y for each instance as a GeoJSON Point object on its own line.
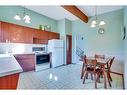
{"type": "Point", "coordinates": [56, 47]}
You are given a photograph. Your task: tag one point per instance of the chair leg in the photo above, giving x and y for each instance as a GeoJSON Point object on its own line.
{"type": "Point", "coordinates": [95, 79]}
{"type": "Point", "coordinates": [110, 76]}
{"type": "Point", "coordinates": [109, 79]}
{"type": "Point", "coordinates": [82, 75]}
{"type": "Point", "coordinates": [98, 77]}
{"type": "Point", "coordinates": [101, 74]}
{"type": "Point", "coordinates": [91, 76]}
{"type": "Point", "coordinates": [82, 72]}
{"type": "Point", "coordinates": [85, 74]}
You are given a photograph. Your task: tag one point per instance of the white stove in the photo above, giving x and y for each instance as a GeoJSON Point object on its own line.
{"type": "Point", "coordinates": [42, 58]}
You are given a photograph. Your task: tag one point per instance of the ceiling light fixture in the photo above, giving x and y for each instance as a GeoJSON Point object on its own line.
{"type": "Point", "coordinates": [24, 17]}
{"type": "Point", "coordinates": [96, 22]}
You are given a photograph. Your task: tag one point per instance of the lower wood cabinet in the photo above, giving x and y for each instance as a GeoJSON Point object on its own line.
{"type": "Point", "coordinates": [26, 61]}
{"type": "Point", "coordinates": [9, 82]}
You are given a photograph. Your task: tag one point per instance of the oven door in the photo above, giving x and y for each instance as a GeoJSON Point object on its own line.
{"type": "Point", "coordinates": [42, 58]}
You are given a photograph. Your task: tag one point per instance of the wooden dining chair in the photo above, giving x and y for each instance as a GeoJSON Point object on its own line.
{"type": "Point", "coordinates": [91, 68]}
{"type": "Point", "coordinates": [99, 56]}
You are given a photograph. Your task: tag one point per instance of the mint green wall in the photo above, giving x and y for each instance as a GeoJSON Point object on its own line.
{"type": "Point", "coordinates": [109, 43]}
{"type": "Point", "coordinates": [125, 48]}
{"type": "Point", "coordinates": [61, 30]}
{"type": "Point", "coordinates": [64, 28]}
{"type": "Point", "coordinates": [68, 27]}
{"type": "Point", "coordinates": [61, 27]}
{"type": "Point", "coordinates": [8, 12]}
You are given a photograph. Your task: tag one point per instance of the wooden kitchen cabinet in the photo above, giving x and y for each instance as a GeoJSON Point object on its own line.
{"type": "Point", "coordinates": [5, 32]}
{"type": "Point", "coordinates": [21, 34]}
{"type": "Point", "coordinates": [52, 35]}
{"type": "Point", "coordinates": [26, 61]}
{"type": "Point", "coordinates": [29, 34]}
{"type": "Point", "coordinates": [40, 37]}
{"type": "Point", "coordinates": [41, 34]}
{"type": "Point", "coordinates": [1, 36]}
{"type": "Point", "coordinates": [9, 82]}
{"type": "Point", "coordinates": [16, 33]}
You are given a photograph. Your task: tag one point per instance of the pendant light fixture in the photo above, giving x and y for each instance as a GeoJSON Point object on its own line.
{"type": "Point", "coordinates": [24, 16]}
{"type": "Point", "coordinates": [96, 22]}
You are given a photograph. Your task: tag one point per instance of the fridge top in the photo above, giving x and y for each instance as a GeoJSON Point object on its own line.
{"type": "Point", "coordinates": [52, 44]}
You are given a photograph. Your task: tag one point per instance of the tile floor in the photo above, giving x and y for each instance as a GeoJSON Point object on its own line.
{"type": "Point", "coordinates": [64, 77]}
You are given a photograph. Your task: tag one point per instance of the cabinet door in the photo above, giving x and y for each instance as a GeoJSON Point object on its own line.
{"type": "Point", "coordinates": [53, 35]}
{"type": "Point", "coordinates": [16, 33]}
{"type": "Point", "coordinates": [28, 33]}
{"type": "Point", "coordinates": [44, 37]}
{"type": "Point", "coordinates": [12, 32]}
{"type": "Point", "coordinates": [26, 61]}
{"type": "Point", "coordinates": [5, 32]}
{"type": "Point", "coordinates": [1, 36]}
{"type": "Point", "coordinates": [40, 37]}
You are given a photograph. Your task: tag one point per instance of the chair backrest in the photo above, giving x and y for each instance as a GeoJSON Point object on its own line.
{"type": "Point", "coordinates": [90, 63]}
{"type": "Point", "coordinates": [110, 62]}
{"type": "Point", "coordinates": [99, 56]}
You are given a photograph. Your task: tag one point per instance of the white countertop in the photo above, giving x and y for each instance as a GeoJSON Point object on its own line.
{"type": "Point", "coordinates": [8, 65]}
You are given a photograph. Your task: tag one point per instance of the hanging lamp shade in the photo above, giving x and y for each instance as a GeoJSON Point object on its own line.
{"type": "Point", "coordinates": [95, 22]}
{"type": "Point", "coordinates": [23, 16]}
{"type": "Point", "coordinates": [102, 23]}
{"type": "Point", "coordinates": [17, 17]}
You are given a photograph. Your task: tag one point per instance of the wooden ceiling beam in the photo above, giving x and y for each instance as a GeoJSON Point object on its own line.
{"type": "Point", "coordinates": [75, 11]}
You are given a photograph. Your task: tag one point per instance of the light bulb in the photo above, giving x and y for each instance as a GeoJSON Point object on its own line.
{"type": "Point", "coordinates": [26, 17]}
{"type": "Point", "coordinates": [94, 22]}
{"type": "Point", "coordinates": [93, 25]}
{"type": "Point", "coordinates": [27, 21]}
{"type": "Point", "coordinates": [102, 23]}
{"type": "Point", "coordinates": [17, 17]}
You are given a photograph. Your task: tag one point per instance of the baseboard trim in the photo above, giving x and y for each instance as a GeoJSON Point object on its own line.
{"type": "Point", "coordinates": [122, 75]}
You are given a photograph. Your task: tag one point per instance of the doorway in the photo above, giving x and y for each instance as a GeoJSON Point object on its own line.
{"type": "Point", "coordinates": [68, 49]}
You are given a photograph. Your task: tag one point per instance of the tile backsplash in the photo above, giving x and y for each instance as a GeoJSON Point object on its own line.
{"type": "Point", "coordinates": [19, 48]}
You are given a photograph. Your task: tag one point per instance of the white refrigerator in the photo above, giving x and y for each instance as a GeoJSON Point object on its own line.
{"type": "Point", "coordinates": [56, 47]}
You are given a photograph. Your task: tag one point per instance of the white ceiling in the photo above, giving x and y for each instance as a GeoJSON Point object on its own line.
{"type": "Point", "coordinates": [57, 12]}
{"type": "Point", "coordinates": [90, 10]}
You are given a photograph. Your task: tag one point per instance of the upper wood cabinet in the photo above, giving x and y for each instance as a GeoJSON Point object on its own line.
{"type": "Point", "coordinates": [5, 32]}
{"type": "Point", "coordinates": [28, 32]}
{"type": "Point", "coordinates": [16, 33]}
{"type": "Point", "coordinates": [0, 33]}
{"type": "Point", "coordinates": [21, 34]}
{"type": "Point", "coordinates": [40, 34]}
{"type": "Point", "coordinates": [42, 37]}
{"type": "Point", "coordinates": [52, 35]}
